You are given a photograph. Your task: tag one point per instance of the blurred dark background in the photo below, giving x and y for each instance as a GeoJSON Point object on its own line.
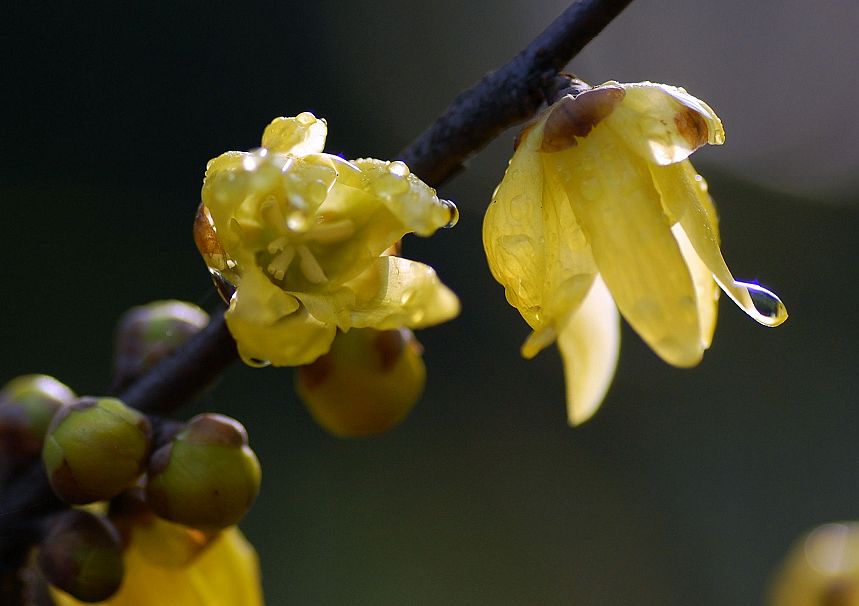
{"type": "Point", "coordinates": [686, 488]}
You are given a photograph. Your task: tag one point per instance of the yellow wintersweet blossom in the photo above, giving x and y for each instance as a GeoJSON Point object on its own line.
{"type": "Point", "coordinates": [303, 234]}
{"type": "Point", "coordinates": [225, 573]}
{"type": "Point", "coordinates": [600, 210]}
{"type": "Point", "coordinates": [822, 569]}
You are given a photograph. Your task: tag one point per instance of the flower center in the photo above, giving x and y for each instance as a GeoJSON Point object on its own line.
{"type": "Point", "coordinates": [294, 232]}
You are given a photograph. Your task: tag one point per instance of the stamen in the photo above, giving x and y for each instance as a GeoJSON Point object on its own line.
{"type": "Point", "coordinates": [278, 245]}
{"type": "Point", "coordinates": [310, 266]}
{"type": "Point", "coordinates": [278, 266]}
{"type": "Point", "coordinates": [269, 212]}
{"type": "Point", "coordinates": [335, 231]}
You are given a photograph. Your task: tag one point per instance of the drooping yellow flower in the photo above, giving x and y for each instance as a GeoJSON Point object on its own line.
{"type": "Point", "coordinates": [301, 234]}
{"type": "Point", "coordinates": [225, 573]}
{"type": "Point", "coordinates": [600, 210]}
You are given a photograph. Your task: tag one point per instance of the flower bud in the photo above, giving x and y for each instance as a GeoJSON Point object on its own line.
{"type": "Point", "coordinates": [161, 543]}
{"type": "Point", "coordinates": [822, 569]}
{"type": "Point", "coordinates": [27, 405]}
{"type": "Point", "coordinates": [148, 333]}
{"type": "Point", "coordinates": [206, 477]}
{"type": "Point", "coordinates": [366, 384]}
{"type": "Point", "coordinates": [82, 556]}
{"type": "Point", "coordinates": [95, 448]}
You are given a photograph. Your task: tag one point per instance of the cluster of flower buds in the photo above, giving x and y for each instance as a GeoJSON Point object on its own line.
{"type": "Point", "coordinates": [157, 488]}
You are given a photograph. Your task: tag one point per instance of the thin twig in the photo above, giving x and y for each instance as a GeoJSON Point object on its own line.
{"type": "Point", "coordinates": [503, 98]}
{"type": "Point", "coordinates": [507, 96]}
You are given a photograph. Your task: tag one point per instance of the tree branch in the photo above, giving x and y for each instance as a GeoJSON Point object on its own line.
{"type": "Point", "coordinates": [503, 98]}
{"type": "Point", "coordinates": [507, 96]}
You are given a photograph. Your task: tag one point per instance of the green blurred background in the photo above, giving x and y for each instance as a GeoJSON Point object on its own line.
{"type": "Point", "coordinates": [686, 488]}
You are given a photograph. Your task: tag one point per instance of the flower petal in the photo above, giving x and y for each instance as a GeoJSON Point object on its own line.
{"type": "Point", "coordinates": [684, 194]}
{"type": "Point", "coordinates": [296, 339]}
{"type": "Point", "coordinates": [612, 195]}
{"type": "Point", "coordinates": [301, 135]}
{"type": "Point", "coordinates": [513, 233]}
{"type": "Point", "coordinates": [664, 124]}
{"type": "Point", "coordinates": [408, 198]}
{"type": "Point", "coordinates": [590, 344]}
{"type": "Point", "coordinates": [392, 293]}
{"type": "Point", "coordinates": [225, 574]}
{"type": "Point", "coordinates": [706, 289]}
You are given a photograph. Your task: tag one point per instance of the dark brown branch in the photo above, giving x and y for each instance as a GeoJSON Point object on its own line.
{"type": "Point", "coordinates": [503, 98]}
{"type": "Point", "coordinates": [508, 96]}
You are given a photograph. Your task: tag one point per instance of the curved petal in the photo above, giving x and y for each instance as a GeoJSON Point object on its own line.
{"type": "Point", "coordinates": [513, 233]}
{"type": "Point", "coordinates": [408, 198]}
{"type": "Point", "coordinates": [664, 124]}
{"type": "Point", "coordinates": [590, 344]}
{"type": "Point", "coordinates": [392, 293]}
{"type": "Point", "coordinates": [300, 135]}
{"type": "Point", "coordinates": [297, 339]}
{"type": "Point", "coordinates": [706, 289]}
{"type": "Point", "coordinates": [685, 196]}
{"type": "Point", "coordinates": [225, 574]}
{"type": "Point", "coordinates": [613, 198]}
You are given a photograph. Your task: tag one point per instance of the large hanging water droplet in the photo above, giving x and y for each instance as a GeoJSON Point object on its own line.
{"type": "Point", "coordinates": [453, 213]}
{"type": "Point", "coordinates": [767, 304]}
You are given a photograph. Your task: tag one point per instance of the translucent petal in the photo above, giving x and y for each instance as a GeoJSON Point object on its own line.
{"type": "Point", "coordinates": [226, 574]}
{"type": "Point", "coordinates": [258, 300]}
{"type": "Point", "coordinates": [408, 198]}
{"type": "Point", "coordinates": [706, 289]}
{"type": "Point", "coordinates": [613, 198]}
{"type": "Point", "coordinates": [300, 135]}
{"type": "Point", "coordinates": [590, 344]}
{"type": "Point", "coordinates": [296, 339]}
{"type": "Point", "coordinates": [392, 293]}
{"type": "Point", "coordinates": [664, 124]}
{"type": "Point", "coordinates": [513, 233]}
{"type": "Point", "coordinates": [685, 197]}
{"type": "Point", "coordinates": [570, 267]}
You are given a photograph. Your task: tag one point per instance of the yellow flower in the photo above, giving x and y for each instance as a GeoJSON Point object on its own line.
{"type": "Point", "coordinates": [226, 573]}
{"type": "Point", "coordinates": [600, 210]}
{"type": "Point", "coordinates": [303, 234]}
{"type": "Point", "coordinates": [822, 568]}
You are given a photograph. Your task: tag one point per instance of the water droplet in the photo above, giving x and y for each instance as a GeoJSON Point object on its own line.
{"type": "Point", "coordinates": [399, 168]}
{"type": "Point", "coordinates": [767, 304]}
{"type": "Point", "coordinates": [298, 221]}
{"type": "Point", "coordinates": [249, 163]}
{"type": "Point", "coordinates": [453, 213]}
{"type": "Point", "coordinates": [255, 362]}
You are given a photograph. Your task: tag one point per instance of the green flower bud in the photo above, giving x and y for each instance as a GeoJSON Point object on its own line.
{"type": "Point", "coordinates": [95, 448]}
{"type": "Point", "coordinates": [27, 405]}
{"type": "Point", "coordinates": [162, 543]}
{"type": "Point", "coordinates": [82, 556]}
{"type": "Point", "coordinates": [366, 384]}
{"type": "Point", "coordinates": [206, 477]}
{"type": "Point", "coordinates": [148, 333]}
